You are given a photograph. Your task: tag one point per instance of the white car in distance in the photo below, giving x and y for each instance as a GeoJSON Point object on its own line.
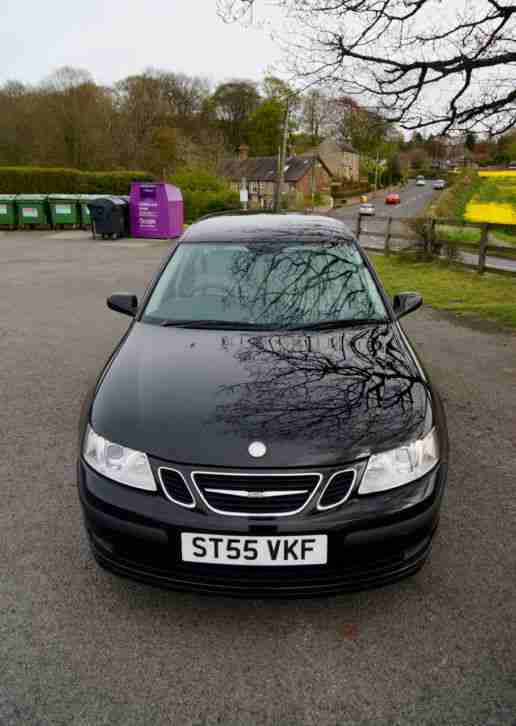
{"type": "Point", "coordinates": [367, 209]}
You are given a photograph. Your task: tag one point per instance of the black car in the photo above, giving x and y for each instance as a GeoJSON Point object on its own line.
{"type": "Point", "coordinates": [264, 426]}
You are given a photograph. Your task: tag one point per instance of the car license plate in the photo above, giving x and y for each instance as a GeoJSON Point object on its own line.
{"type": "Point", "coordinates": [222, 549]}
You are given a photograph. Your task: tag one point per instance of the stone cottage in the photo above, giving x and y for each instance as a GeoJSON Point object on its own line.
{"type": "Point", "coordinates": [302, 175]}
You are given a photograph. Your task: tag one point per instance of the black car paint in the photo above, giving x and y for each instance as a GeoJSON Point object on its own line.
{"type": "Point", "coordinates": [319, 400]}
{"type": "Point", "coordinates": [200, 397]}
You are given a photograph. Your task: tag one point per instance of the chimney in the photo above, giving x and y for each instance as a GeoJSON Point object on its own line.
{"type": "Point", "coordinates": [243, 152]}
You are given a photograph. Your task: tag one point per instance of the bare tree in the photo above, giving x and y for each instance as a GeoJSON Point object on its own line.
{"type": "Point", "coordinates": [318, 113]}
{"type": "Point", "coordinates": [73, 115]}
{"type": "Point", "coordinates": [424, 62]}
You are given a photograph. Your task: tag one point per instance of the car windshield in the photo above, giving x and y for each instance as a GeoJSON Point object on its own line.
{"type": "Point", "coordinates": [269, 285]}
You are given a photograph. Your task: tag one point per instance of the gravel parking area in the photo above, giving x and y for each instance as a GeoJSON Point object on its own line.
{"type": "Point", "coordinates": [80, 646]}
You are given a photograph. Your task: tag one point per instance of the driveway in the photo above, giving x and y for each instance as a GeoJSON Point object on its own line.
{"type": "Point", "coordinates": [80, 646]}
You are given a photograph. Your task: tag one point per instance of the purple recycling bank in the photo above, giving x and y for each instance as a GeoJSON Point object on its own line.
{"type": "Point", "coordinates": [155, 210]}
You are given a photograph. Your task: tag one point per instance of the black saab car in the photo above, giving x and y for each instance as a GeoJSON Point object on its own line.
{"type": "Point", "coordinates": [264, 427]}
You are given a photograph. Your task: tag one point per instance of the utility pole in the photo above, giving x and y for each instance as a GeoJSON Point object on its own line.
{"type": "Point", "coordinates": [376, 170]}
{"type": "Point", "coordinates": [244, 198]}
{"type": "Point", "coordinates": [282, 157]}
{"type": "Point", "coordinates": [312, 181]}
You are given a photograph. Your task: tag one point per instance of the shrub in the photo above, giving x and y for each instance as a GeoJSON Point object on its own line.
{"type": "Point", "coordinates": [204, 193]}
{"type": "Point", "coordinates": [197, 180]}
{"type": "Point", "coordinates": [199, 203]}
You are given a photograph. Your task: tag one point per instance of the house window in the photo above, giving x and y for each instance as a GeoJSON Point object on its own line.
{"type": "Point", "coordinates": [253, 187]}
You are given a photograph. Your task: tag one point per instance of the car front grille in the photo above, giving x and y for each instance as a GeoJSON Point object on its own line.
{"type": "Point", "coordinates": [338, 489]}
{"type": "Point", "coordinates": [175, 487]}
{"type": "Point", "coordinates": [259, 495]}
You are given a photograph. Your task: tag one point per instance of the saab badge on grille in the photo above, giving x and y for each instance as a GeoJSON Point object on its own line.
{"type": "Point", "coordinates": [257, 449]}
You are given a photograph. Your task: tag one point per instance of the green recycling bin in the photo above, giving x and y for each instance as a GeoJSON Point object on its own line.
{"type": "Point", "coordinates": [64, 209]}
{"type": "Point", "coordinates": [33, 210]}
{"type": "Point", "coordinates": [8, 211]}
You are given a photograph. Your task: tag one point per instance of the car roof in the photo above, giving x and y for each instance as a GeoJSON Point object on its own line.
{"type": "Point", "coordinates": [262, 228]}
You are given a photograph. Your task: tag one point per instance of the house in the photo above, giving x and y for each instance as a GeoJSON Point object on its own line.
{"type": "Point", "coordinates": [341, 159]}
{"type": "Point", "coordinates": [302, 175]}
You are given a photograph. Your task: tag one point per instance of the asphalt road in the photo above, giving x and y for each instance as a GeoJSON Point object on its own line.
{"type": "Point", "coordinates": [80, 647]}
{"type": "Point", "coordinates": [413, 200]}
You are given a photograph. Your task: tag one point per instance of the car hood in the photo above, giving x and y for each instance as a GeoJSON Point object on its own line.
{"type": "Point", "coordinates": [201, 396]}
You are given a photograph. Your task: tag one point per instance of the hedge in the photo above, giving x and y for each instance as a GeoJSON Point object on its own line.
{"type": "Point", "coordinates": [353, 192]}
{"type": "Point", "coordinates": [46, 180]}
{"type": "Point", "coordinates": [203, 193]}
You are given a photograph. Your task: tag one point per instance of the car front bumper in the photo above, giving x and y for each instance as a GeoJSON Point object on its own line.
{"type": "Point", "coordinates": [372, 540]}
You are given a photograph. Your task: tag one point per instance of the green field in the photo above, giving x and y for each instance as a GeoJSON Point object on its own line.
{"type": "Point", "coordinates": [446, 286]}
{"type": "Point", "coordinates": [497, 188]}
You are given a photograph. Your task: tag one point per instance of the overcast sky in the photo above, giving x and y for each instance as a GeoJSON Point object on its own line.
{"type": "Point", "coordinates": [115, 38]}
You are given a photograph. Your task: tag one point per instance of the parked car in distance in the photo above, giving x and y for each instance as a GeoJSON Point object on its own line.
{"type": "Point", "coordinates": [392, 198]}
{"type": "Point", "coordinates": [512, 166]}
{"type": "Point", "coordinates": [264, 427]}
{"type": "Point", "coordinates": [367, 209]}
{"type": "Point", "coordinates": [439, 184]}
{"type": "Point", "coordinates": [420, 181]}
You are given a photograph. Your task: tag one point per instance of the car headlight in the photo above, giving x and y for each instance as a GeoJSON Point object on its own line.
{"type": "Point", "coordinates": [119, 463]}
{"type": "Point", "coordinates": [400, 466]}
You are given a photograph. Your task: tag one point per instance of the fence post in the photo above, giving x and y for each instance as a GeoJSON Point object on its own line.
{"type": "Point", "coordinates": [388, 236]}
{"type": "Point", "coordinates": [359, 225]}
{"type": "Point", "coordinates": [483, 249]}
{"type": "Point", "coordinates": [431, 241]}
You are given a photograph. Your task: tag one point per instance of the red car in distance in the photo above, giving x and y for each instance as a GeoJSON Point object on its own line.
{"type": "Point", "coordinates": [392, 198]}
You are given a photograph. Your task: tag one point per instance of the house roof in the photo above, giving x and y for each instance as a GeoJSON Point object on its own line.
{"type": "Point", "coordinates": [264, 168]}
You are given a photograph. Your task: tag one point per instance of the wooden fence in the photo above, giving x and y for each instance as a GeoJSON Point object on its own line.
{"type": "Point", "coordinates": [427, 237]}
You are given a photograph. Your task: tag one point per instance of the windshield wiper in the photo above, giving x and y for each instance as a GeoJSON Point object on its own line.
{"type": "Point", "coordinates": [214, 324]}
{"type": "Point", "coordinates": [332, 324]}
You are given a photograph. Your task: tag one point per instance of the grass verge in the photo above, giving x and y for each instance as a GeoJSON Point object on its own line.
{"type": "Point", "coordinates": [447, 233]}
{"type": "Point", "coordinates": [468, 239]}
{"type": "Point", "coordinates": [446, 286]}
{"type": "Point", "coordinates": [452, 201]}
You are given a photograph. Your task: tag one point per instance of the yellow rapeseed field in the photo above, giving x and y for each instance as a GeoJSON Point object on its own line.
{"type": "Point", "coordinates": [491, 212]}
{"type": "Point", "coordinates": [497, 173]}
{"type": "Point", "coordinates": [495, 200]}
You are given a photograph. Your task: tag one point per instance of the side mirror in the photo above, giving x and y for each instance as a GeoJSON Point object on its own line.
{"type": "Point", "coordinates": [406, 302]}
{"type": "Point", "coordinates": [123, 302]}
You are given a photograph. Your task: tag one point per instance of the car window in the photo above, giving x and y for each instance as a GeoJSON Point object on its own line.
{"type": "Point", "coordinates": [269, 284]}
